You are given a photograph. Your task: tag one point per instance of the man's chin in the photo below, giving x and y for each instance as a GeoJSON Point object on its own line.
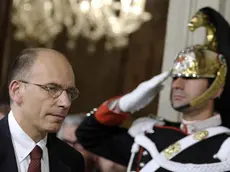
{"type": "Point", "coordinates": [54, 128]}
{"type": "Point", "coordinates": [180, 107]}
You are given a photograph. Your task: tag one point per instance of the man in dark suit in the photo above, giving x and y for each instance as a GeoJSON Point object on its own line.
{"type": "Point", "coordinates": [41, 88]}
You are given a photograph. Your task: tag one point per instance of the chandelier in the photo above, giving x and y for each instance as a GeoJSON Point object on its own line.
{"type": "Point", "coordinates": [41, 21]}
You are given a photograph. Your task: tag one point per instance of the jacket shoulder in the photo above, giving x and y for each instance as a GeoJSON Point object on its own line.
{"type": "Point", "coordinates": [67, 154]}
{"type": "Point", "coordinates": [146, 124]}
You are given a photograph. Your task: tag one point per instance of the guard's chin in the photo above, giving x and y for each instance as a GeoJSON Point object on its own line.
{"type": "Point", "coordinates": [180, 108]}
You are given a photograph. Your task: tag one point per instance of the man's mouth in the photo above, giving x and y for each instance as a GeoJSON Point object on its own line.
{"type": "Point", "coordinates": [58, 116]}
{"type": "Point", "coordinates": [178, 97]}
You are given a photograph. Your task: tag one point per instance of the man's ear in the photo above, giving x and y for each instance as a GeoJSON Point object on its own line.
{"type": "Point", "coordinates": [14, 91]}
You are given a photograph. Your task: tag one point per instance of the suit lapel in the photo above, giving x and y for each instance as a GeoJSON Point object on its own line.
{"type": "Point", "coordinates": [7, 154]}
{"type": "Point", "coordinates": [55, 163]}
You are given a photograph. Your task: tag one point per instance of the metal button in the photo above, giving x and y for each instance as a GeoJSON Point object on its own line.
{"type": "Point", "coordinates": [142, 164]}
{"type": "Point", "coordinates": [145, 153]}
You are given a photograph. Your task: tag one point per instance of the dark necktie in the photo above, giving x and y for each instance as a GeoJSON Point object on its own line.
{"type": "Point", "coordinates": [35, 160]}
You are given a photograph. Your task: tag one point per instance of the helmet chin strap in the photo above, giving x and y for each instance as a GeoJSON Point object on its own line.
{"type": "Point", "coordinates": [183, 107]}
{"type": "Point", "coordinates": [206, 96]}
{"type": "Point", "coordinates": [213, 89]}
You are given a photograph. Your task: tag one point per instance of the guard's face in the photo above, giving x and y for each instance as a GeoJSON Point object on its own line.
{"type": "Point", "coordinates": [184, 90]}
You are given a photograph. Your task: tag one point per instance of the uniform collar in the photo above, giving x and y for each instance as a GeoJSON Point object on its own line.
{"type": "Point", "coordinates": [193, 126]}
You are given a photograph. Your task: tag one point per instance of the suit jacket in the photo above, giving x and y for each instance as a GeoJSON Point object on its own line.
{"type": "Point", "coordinates": [62, 157]}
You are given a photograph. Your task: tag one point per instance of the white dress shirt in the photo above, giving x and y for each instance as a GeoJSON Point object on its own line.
{"type": "Point", "coordinates": [23, 145]}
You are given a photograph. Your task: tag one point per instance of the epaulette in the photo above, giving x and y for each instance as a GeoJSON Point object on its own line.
{"type": "Point", "coordinates": [145, 125]}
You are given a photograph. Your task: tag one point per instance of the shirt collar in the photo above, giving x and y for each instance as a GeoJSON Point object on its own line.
{"type": "Point", "coordinates": [23, 144]}
{"type": "Point", "coordinates": [193, 126]}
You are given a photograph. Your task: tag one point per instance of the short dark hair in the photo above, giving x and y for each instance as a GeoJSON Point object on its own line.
{"type": "Point", "coordinates": [22, 64]}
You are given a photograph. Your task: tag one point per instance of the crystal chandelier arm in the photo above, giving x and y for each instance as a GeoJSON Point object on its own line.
{"type": "Point", "coordinates": [94, 19]}
{"type": "Point", "coordinates": [111, 20]}
{"type": "Point", "coordinates": [42, 20]}
{"type": "Point", "coordinates": [134, 17]}
{"type": "Point", "coordinates": [73, 21]}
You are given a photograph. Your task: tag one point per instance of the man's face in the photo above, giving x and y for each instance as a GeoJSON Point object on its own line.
{"type": "Point", "coordinates": [39, 108]}
{"type": "Point", "coordinates": [184, 90]}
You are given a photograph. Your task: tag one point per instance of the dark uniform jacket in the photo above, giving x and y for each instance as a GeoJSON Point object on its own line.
{"type": "Point", "coordinates": [114, 142]}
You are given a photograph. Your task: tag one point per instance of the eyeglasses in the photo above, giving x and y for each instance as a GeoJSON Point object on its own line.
{"type": "Point", "coordinates": [56, 90]}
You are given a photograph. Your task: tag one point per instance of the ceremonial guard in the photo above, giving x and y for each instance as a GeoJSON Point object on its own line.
{"type": "Point", "coordinates": [199, 91]}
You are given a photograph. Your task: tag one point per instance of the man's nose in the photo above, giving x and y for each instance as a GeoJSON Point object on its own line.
{"type": "Point", "coordinates": [64, 100]}
{"type": "Point", "coordinates": [178, 83]}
